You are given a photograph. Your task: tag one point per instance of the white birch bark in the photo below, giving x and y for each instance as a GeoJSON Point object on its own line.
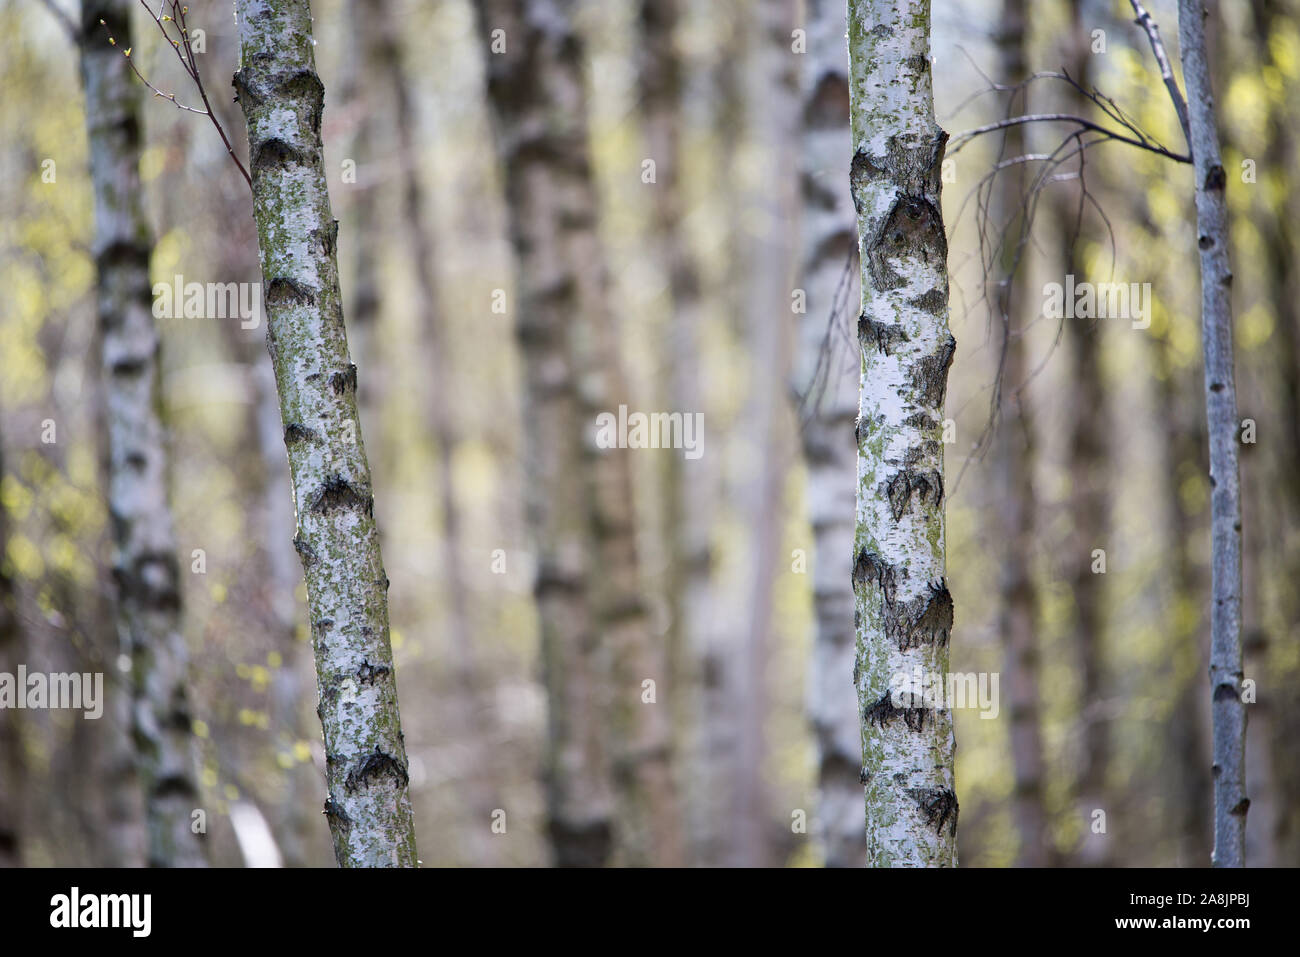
{"type": "Point", "coordinates": [1228, 710]}
{"type": "Point", "coordinates": [368, 807]}
{"type": "Point", "coordinates": [825, 380]}
{"type": "Point", "coordinates": [145, 565]}
{"type": "Point", "coordinates": [904, 611]}
{"type": "Point", "coordinates": [537, 100]}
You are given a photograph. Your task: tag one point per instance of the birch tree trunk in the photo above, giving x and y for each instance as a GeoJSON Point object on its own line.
{"type": "Point", "coordinates": [535, 91]}
{"type": "Point", "coordinates": [688, 486]}
{"type": "Point", "coordinates": [1228, 710]}
{"type": "Point", "coordinates": [1089, 504]}
{"type": "Point", "coordinates": [1282, 243]}
{"type": "Point", "coordinates": [384, 50]}
{"type": "Point", "coordinates": [1015, 512]}
{"type": "Point", "coordinates": [770, 207]}
{"type": "Point", "coordinates": [825, 384]}
{"type": "Point", "coordinates": [145, 566]}
{"type": "Point", "coordinates": [903, 609]}
{"type": "Point", "coordinates": [368, 807]}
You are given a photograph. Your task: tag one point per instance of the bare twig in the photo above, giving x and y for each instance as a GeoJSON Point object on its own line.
{"type": "Point", "coordinates": [185, 54]}
{"type": "Point", "coordinates": [1166, 71]}
{"type": "Point", "coordinates": [961, 139]}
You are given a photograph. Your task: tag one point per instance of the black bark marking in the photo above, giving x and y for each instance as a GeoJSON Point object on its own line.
{"type": "Point", "coordinates": [933, 301]}
{"type": "Point", "coordinates": [1215, 178]}
{"type": "Point", "coordinates": [276, 153]}
{"type": "Point", "coordinates": [884, 711]}
{"type": "Point", "coordinates": [296, 433]}
{"type": "Point", "coordinates": [581, 844]}
{"type": "Point", "coordinates": [1240, 808]}
{"type": "Point", "coordinates": [375, 766]}
{"type": "Point", "coordinates": [913, 228]}
{"type": "Point", "coordinates": [124, 252]}
{"type": "Point", "coordinates": [870, 568]}
{"type": "Point", "coordinates": [930, 374]}
{"type": "Point", "coordinates": [878, 334]}
{"type": "Point", "coordinates": [339, 494]}
{"type": "Point", "coordinates": [344, 383]}
{"type": "Point", "coordinates": [1225, 692]}
{"type": "Point", "coordinates": [921, 421]}
{"type": "Point", "coordinates": [288, 292]}
{"type": "Point", "coordinates": [129, 367]}
{"type": "Point", "coordinates": [368, 673]}
{"type": "Point", "coordinates": [939, 806]}
{"type": "Point", "coordinates": [334, 811]}
{"type": "Point", "coordinates": [926, 483]}
{"type": "Point", "coordinates": [305, 552]}
{"type": "Point", "coordinates": [150, 581]}
{"type": "Point", "coordinates": [925, 619]}
{"type": "Point", "coordinates": [173, 785]}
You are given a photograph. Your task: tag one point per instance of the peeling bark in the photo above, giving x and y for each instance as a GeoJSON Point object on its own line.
{"type": "Point", "coordinates": [145, 566]}
{"type": "Point", "coordinates": [902, 605]}
{"type": "Point", "coordinates": [368, 807]}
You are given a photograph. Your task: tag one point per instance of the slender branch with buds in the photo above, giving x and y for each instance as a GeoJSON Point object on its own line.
{"type": "Point", "coordinates": [180, 44]}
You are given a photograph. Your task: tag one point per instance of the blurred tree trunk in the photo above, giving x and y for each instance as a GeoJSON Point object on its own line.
{"type": "Point", "coordinates": [367, 149]}
{"type": "Point", "coordinates": [337, 540]}
{"type": "Point", "coordinates": [564, 285]}
{"type": "Point", "coordinates": [1228, 710]}
{"type": "Point", "coordinates": [770, 209]}
{"type": "Point", "coordinates": [12, 778]}
{"type": "Point", "coordinates": [709, 605]}
{"type": "Point", "coordinates": [904, 609]}
{"type": "Point", "coordinates": [1089, 505]}
{"type": "Point", "coordinates": [825, 388]}
{"type": "Point", "coordinates": [294, 820]}
{"type": "Point", "coordinates": [1017, 503]}
{"type": "Point", "coordinates": [535, 90]}
{"type": "Point", "coordinates": [688, 487]}
{"type": "Point", "coordinates": [1282, 249]}
{"type": "Point", "coordinates": [384, 50]}
{"type": "Point", "coordinates": [1188, 779]}
{"type": "Point", "coordinates": [145, 567]}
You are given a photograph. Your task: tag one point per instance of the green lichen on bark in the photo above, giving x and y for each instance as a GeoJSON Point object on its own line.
{"type": "Point", "coordinates": [282, 97]}
{"type": "Point", "coordinates": [145, 568]}
{"type": "Point", "coordinates": [903, 608]}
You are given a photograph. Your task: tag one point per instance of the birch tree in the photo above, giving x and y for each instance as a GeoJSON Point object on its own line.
{"type": "Point", "coordinates": [368, 807]}
{"type": "Point", "coordinates": [1089, 465]}
{"type": "Point", "coordinates": [145, 566]}
{"type": "Point", "coordinates": [1196, 115]}
{"type": "Point", "coordinates": [1228, 710]}
{"type": "Point", "coordinates": [1015, 511]}
{"type": "Point", "coordinates": [825, 383]}
{"type": "Point", "coordinates": [535, 92]}
{"type": "Point", "coordinates": [903, 609]}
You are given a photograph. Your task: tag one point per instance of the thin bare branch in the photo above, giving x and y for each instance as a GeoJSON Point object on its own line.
{"type": "Point", "coordinates": [1166, 71]}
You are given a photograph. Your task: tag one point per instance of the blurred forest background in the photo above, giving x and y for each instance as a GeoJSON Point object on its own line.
{"type": "Point", "coordinates": [1099, 442]}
